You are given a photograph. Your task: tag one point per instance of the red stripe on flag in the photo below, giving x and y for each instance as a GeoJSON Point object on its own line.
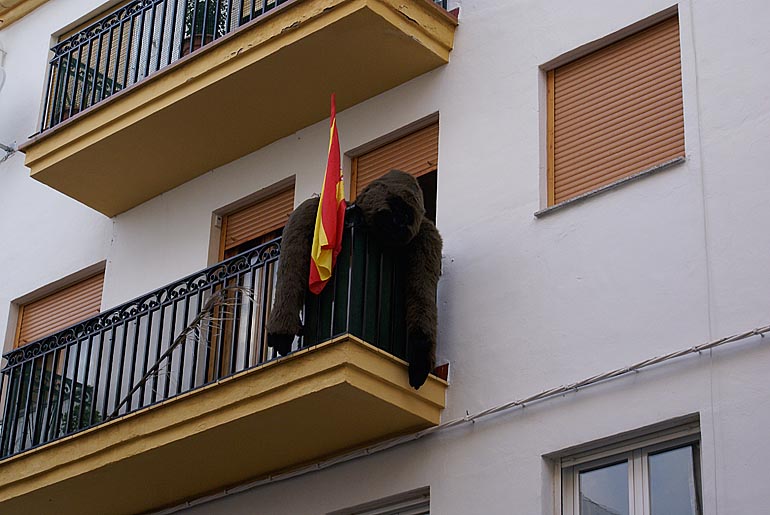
{"type": "Point", "coordinates": [327, 239]}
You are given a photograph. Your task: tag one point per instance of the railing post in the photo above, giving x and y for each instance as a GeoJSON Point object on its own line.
{"type": "Point", "coordinates": [162, 31]}
{"type": "Point", "coordinates": [12, 420]}
{"type": "Point", "coordinates": [5, 397]}
{"type": "Point", "coordinates": [366, 286]}
{"type": "Point", "coordinates": [170, 58]}
{"type": "Point", "coordinates": [106, 76]}
{"type": "Point", "coordinates": [137, 60]}
{"type": "Point", "coordinates": [62, 384]}
{"type": "Point", "coordinates": [46, 105]}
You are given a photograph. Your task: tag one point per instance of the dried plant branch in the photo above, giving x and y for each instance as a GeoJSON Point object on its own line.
{"type": "Point", "coordinates": [206, 318]}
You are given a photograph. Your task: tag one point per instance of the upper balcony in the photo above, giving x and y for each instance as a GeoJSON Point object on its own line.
{"type": "Point", "coordinates": [159, 92]}
{"type": "Point", "coordinates": [178, 388]}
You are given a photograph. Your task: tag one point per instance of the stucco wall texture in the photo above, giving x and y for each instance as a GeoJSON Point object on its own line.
{"type": "Point", "coordinates": [665, 262]}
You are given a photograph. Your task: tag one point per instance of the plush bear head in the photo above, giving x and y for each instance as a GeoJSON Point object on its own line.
{"type": "Point", "coordinates": [393, 207]}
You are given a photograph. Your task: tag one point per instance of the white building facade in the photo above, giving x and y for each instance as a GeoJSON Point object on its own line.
{"type": "Point", "coordinates": [534, 293]}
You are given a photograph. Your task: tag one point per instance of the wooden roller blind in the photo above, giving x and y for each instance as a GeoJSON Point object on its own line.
{"type": "Point", "coordinates": [60, 310]}
{"type": "Point", "coordinates": [416, 153]}
{"type": "Point", "coordinates": [615, 112]}
{"type": "Point", "coordinates": [258, 219]}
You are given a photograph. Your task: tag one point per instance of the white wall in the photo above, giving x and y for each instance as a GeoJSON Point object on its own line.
{"type": "Point", "coordinates": [46, 236]}
{"type": "Point", "coordinates": [663, 263]}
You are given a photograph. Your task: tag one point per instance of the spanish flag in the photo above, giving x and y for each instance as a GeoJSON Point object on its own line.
{"type": "Point", "coordinates": [327, 238]}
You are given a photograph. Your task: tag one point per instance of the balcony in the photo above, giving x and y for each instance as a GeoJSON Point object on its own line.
{"type": "Point", "coordinates": [178, 388]}
{"type": "Point", "coordinates": [161, 91]}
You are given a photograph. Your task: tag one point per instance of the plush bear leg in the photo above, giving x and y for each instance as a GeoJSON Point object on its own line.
{"type": "Point", "coordinates": [423, 271]}
{"type": "Point", "coordinates": [292, 282]}
{"type": "Point", "coordinates": [421, 358]}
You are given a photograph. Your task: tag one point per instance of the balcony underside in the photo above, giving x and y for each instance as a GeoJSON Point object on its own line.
{"type": "Point", "coordinates": [260, 83]}
{"type": "Point", "coordinates": [13, 10]}
{"type": "Point", "coordinates": [315, 403]}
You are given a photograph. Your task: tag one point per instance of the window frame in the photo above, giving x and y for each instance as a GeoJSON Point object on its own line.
{"type": "Point", "coordinates": [415, 502]}
{"type": "Point", "coordinates": [53, 290]}
{"type": "Point", "coordinates": [396, 138]}
{"type": "Point", "coordinates": [424, 178]}
{"type": "Point", "coordinates": [218, 248]}
{"type": "Point", "coordinates": [548, 202]}
{"type": "Point", "coordinates": [414, 507]}
{"type": "Point", "coordinates": [635, 451]}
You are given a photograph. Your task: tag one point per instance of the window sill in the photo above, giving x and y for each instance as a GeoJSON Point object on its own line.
{"type": "Point", "coordinates": [611, 186]}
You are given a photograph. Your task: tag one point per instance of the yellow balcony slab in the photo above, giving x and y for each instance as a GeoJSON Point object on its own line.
{"type": "Point", "coordinates": [13, 10]}
{"type": "Point", "coordinates": [260, 83]}
{"type": "Point", "coordinates": [314, 404]}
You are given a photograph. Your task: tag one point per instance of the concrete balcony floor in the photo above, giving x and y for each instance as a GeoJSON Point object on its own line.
{"type": "Point", "coordinates": [311, 405]}
{"type": "Point", "coordinates": [264, 81]}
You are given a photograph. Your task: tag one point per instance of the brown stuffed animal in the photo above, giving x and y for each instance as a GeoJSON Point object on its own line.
{"type": "Point", "coordinates": [392, 208]}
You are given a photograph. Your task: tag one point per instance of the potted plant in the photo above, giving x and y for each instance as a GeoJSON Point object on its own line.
{"type": "Point", "coordinates": [204, 21]}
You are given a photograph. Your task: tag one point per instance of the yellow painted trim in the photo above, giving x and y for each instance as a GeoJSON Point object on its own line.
{"type": "Point", "coordinates": [242, 48]}
{"type": "Point", "coordinates": [283, 30]}
{"type": "Point", "coordinates": [324, 375]}
{"type": "Point", "coordinates": [17, 10]}
{"type": "Point", "coordinates": [353, 177]}
{"type": "Point", "coordinates": [422, 17]}
{"type": "Point", "coordinates": [222, 237]}
{"type": "Point", "coordinates": [391, 369]}
{"type": "Point", "coordinates": [17, 334]}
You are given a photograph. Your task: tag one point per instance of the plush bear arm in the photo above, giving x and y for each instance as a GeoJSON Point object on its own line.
{"type": "Point", "coordinates": [423, 270]}
{"type": "Point", "coordinates": [293, 272]}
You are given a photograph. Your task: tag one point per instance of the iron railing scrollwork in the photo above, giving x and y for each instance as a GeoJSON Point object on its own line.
{"type": "Point", "coordinates": [170, 341]}
{"type": "Point", "coordinates": [192, 284]}
{"type": "Point", "coordinates": [134, 41]}
{"type": "Point", "coordinates": [75, 378]}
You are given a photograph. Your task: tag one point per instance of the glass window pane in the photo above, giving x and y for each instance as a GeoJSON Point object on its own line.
{"type": "Point", "coordinates": [672, 482]}
{"type": "Point", "coordinates": [604, 491]}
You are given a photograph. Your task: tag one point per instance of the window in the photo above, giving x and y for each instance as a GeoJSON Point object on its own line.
{"type": "Point", "coordinates": [59, 310]}
{"type": "Point", "coordinates": [416, 153]}
{"type": "Point", "coordinates": [256, 223]}
{"type": "Point", "coordinates": [658, 475]}
{"type": "Point", "coordinates": [615, 112]}
{"type": "Point", "coordinates": [244, 228]}
{"type": "Point", "coordinates": [416, 502]}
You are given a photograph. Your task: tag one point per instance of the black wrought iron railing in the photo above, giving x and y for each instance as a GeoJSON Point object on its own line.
{"type": "Point", "coordinates": [134, 41]}
{"type": "Point", "coordinates": [191, 333]}
{"type": "Point", "coordinates": [366, 297]}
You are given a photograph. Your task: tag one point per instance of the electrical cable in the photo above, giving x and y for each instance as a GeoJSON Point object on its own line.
{"type": "Point", "coordinates": [471, 418]}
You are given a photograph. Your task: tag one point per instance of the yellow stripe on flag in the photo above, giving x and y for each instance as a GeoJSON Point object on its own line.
{"type": "Point", "coordinates": [327, 237]}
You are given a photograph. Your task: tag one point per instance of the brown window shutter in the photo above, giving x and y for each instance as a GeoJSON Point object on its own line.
{"type": "Point", "coordinates": [258, 219]}
{"type": "Point", "coordinates": [615, 112]}
{"type": "Point", "coordinates": [60, 310]}
{"type": "Point", "coordinates": [416, 153]}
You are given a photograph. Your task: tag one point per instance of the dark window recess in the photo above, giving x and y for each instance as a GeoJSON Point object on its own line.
{"type": "Point", "coordinates": [253, 243]}
{"type": "Point", "coordinates": [428, 184]}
